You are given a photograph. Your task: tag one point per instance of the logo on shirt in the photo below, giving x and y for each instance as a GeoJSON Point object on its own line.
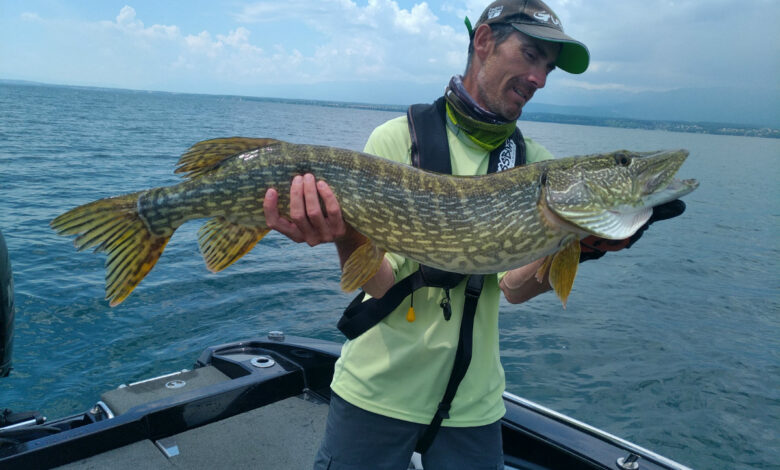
{"type": "Point", "coordinates": [507, 157]}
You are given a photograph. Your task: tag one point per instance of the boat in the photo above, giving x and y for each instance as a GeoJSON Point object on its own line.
{"type": "Point", "coordinates": [262, 403]}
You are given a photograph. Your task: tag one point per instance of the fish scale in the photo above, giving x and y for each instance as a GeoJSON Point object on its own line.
{"type": "Point", "coordinates": [468, 224]}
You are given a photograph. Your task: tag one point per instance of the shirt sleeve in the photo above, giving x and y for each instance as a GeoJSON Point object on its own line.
{"type": "Point", "coordinates": [535, 152]}
{"type": "Point", "coordinates": [391, 140]}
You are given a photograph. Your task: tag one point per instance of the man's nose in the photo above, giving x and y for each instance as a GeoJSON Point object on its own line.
{"type": "Point", "coordinates": [538, 77]}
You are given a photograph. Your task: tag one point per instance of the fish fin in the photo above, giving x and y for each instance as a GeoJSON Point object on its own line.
{"type": "Point", "coordinates": [222, 243]}
{"type": "Point", "coordinates": [542, 271]}
{"type": "Point", "coordinates": [114, 226]}
{"type": "Point", "coordinates": [615, 224]}
{"type": "Point", "coordinates": [208, 154]}
{"type": "Point", "coordinates": [563, 270]}
{"type": "Point", "coordinates": [361, 266]}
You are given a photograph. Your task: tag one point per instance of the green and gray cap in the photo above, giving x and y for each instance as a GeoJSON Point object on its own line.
{"type": "Point", "coordinates": [536, 19]}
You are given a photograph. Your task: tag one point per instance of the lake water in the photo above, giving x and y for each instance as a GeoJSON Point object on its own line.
{"type": "Point", "coordinates": [673, 344]}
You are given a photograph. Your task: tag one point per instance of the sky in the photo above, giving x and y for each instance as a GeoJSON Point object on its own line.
{"type": "Point", "coordinates": [379, 51]}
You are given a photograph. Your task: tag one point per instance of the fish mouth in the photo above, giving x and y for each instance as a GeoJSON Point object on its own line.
{"type": "Point", "coordinates": [656, 177]}
{"type": "Point", "coordinates": [674, 190]}
{"type": "Point", "coordinates": [656, 170]}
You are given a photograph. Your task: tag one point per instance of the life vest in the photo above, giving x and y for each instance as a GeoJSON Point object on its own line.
{"type": "Point", "coordinates": [430, 151]}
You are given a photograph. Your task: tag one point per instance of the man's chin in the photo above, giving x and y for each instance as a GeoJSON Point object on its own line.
{"type": "Point", "coordinates": [513, 116]}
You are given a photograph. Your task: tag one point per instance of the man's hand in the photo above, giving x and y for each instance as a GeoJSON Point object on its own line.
{"type": "Point", "coordinates": [521, 284]}
{"type": "Point", "coordinates": [307, 223]}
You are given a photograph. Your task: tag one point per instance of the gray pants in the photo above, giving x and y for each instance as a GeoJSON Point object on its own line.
{"type": "Point", "coordinates": [356, 439]}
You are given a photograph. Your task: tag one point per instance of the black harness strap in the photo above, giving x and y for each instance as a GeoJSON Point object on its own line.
{"type": "Point", "coordinates": [461, 364]}
{"type": "Point", "coordinates": [428, 131]}
{"type": "Point", "coordinates": [360, 316]}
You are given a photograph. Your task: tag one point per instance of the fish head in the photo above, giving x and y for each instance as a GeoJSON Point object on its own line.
{"type": "Point", "coordinates": [612, 195]}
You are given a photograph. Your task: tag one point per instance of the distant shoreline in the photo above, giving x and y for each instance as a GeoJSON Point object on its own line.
{"type": "Point", "coordinates": [619, 122]}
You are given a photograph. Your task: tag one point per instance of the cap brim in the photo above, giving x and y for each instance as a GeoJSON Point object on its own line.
{"type": "Point", "coordinates": [574, 56]}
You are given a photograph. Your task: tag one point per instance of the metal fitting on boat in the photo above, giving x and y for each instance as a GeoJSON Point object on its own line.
{"type": "Point", "coordinates": [175, 384]}
{"type": "Point", "coordinates": [262, 361]}
{"type": "Point", "coordinates": [276, 335]}
{"type": "Point", "coordinates": [628, 463]}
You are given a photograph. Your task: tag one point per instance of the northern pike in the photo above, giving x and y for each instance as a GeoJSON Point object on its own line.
{"type": "Point", "coordinates": [465, 224]}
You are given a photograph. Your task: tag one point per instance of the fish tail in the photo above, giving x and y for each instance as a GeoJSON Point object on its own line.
{"type": "Point", "coordinates": [113, 225]}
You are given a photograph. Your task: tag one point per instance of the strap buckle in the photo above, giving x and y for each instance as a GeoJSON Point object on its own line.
{"type": "Point", "coordinates": [474, 286]}
{"type": "Point", "coordinates": [443, 411]}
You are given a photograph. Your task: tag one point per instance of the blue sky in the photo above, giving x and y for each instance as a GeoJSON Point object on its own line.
{"type": "Point", "coordinates": [381, 51]}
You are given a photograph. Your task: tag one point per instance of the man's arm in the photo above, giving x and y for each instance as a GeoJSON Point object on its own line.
{"type": "Point", "coordinates": [308, 223]}
{"type": "Point", "coordinates": [519, 285]}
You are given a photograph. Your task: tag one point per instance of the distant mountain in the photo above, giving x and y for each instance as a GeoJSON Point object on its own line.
{"type": "Point", "coordinates": [710, 110]}
{"type": "Point", "coordinates": [714, 105]}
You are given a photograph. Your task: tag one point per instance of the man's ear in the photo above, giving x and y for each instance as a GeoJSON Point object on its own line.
{"type": "Point", "coordinates": [483, 42]}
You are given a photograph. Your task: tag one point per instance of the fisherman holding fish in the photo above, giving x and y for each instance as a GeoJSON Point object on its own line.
{"type": "Point", "coordinates": [391, 378]}
{"type": "Point", "coordinates": [432, 250]}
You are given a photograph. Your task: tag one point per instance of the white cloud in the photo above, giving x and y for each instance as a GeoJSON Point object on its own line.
{"type": "Point", "coordinates": [676, 43]}
{"type": "Point", "coordinates": [342, 41]}
{"type": "Point", "coordinates": [127, 23]}
{"type": "Point", "coordinates": [635, 45]}
{"type": "Point", "coordinates": [415, 20]}
{"type": "Point", "coordinates": [201, 43]}
{"type": "Point", "coordinates": [375, 40]}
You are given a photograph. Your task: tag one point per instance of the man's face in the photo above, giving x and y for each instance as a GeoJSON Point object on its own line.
{"type": "Point", "coordinates": [512, 72]}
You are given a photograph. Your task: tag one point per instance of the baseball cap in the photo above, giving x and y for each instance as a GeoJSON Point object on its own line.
{"type": "Point", "coordinates": [536, 19]}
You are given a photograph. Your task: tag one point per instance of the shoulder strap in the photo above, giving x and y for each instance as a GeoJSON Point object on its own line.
{"type": "Point", "coordinates": [428, 130]}
{"type": "Point", "coordinates": [460, 365]}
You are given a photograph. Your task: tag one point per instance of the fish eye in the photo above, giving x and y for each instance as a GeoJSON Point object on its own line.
{"type": "Point", "coordinates": [622, 159]}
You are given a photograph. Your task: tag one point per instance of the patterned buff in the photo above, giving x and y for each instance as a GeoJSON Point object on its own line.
{"type": "Point", "coordinates": [484, 128]}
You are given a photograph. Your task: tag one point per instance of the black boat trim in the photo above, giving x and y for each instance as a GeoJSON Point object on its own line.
{"type": "Point", "coordinates": [594, 431]}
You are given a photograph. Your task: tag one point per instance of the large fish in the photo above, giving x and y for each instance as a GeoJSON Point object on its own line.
{"type": "Point", "coordinates": [466, 224]}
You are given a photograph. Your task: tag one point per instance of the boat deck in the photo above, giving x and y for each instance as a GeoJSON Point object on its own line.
{"type": "Point", "coordinates": [248, 440]}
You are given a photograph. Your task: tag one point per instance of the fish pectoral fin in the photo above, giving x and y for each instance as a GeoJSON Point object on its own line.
{"type": "Point", "coordinates": [208, 154]}
{"type": "Point", "coordinates": [361, 266]}
{"type": "Point", "coordinates": [544, 268]}
{"type": "Point", "coordinates": [563, 270]}
{"type": "Point", "coordinates": [222, 243]}
{"type": "Point", "coordinates": [114, 226]}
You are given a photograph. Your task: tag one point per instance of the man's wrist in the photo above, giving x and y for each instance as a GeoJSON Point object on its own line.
{"type": "Point", "coordinates": [348, 243]}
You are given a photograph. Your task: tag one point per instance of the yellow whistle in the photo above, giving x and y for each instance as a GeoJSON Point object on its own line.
{"type": "Point", "coordinates": [410, 315]}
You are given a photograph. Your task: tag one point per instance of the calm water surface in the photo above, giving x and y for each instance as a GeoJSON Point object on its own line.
{"type": "Point", "coordinates": [673, 344]}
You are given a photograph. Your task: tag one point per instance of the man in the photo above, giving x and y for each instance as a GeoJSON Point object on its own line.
{"type": "Point", "coordinates": [390, 379]}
